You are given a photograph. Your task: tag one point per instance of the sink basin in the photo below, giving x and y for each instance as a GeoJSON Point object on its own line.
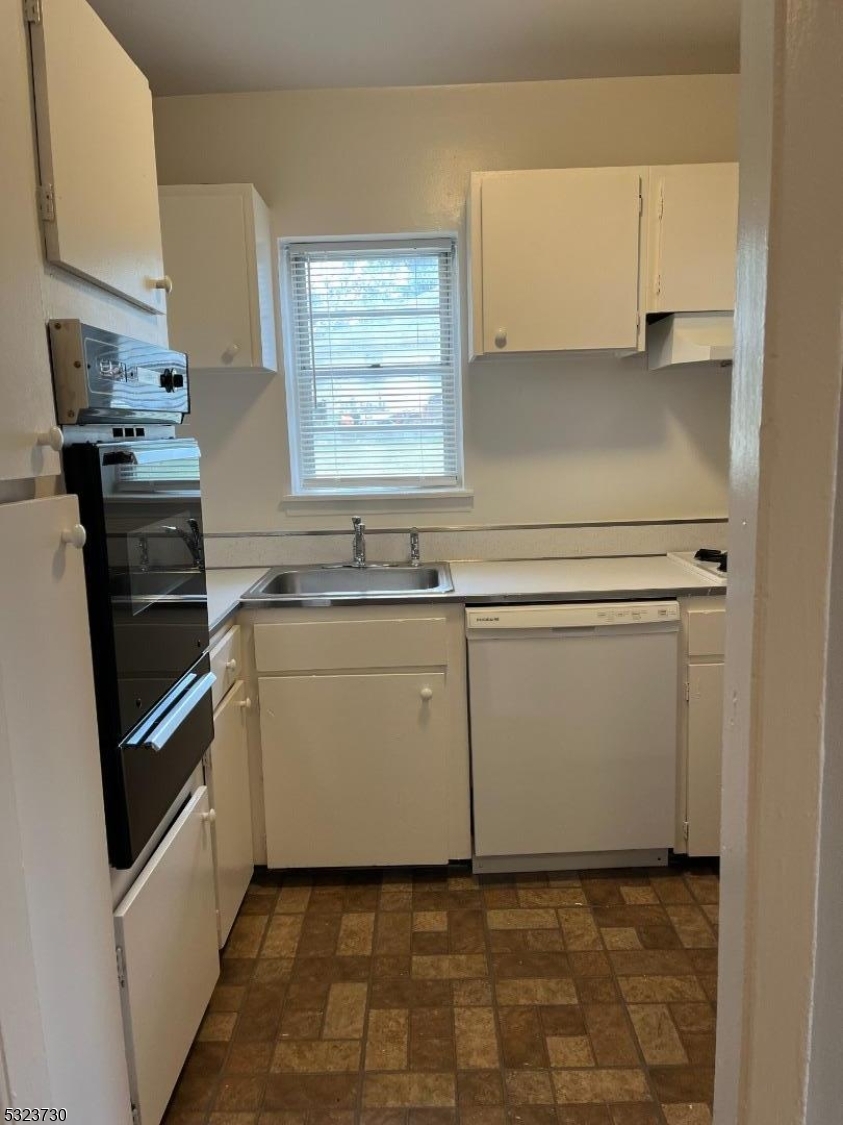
{"type": "Point", "coordinates": [295, 583]}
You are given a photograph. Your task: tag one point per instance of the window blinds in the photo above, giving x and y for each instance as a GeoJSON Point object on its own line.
{"type": "Point", "coordinates": [373, 366]}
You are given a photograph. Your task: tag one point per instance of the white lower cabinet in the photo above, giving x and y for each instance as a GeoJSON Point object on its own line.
{"type": "Point", "coordinates": [227, 774]}
{"type": "Point", "coordinates": [166, 935]}
{"type": "Point", "coordinates": [705, 727]}
{"type": "Point", "coordinates": [701, 729]}
{"type": "Point", "coordinates": [355, 769]}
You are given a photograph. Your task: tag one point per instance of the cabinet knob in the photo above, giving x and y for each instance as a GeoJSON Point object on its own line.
{"type": "Point", "coordinates": [231, 665]}
{"type": "Point", "coordinates": [500, 338]}
{"type": "Point", "coordinates": [210, 816]}
{"type": "Point", "coordinates": [426, 693]}
{"type": "Point", "coordinates": [53, 437]}
{"type": "Point", "coordinates": [165, 283]}
{"type": "Point", "coordinates": [230, 352]}
{"type": "Point", "coordinates": [75, 536]}
{"type": "Point", "coordinates": [246, 703]}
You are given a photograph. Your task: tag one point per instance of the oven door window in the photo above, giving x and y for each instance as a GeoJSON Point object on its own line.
{"type": "Point", "coordinates": [156, 568]}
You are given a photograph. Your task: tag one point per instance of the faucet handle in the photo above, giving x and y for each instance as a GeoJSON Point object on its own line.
{"type": "Point", "coordinates": [358, 523]}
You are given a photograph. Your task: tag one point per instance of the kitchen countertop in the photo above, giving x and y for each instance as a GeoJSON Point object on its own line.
{"type": "Point", "coordinates": [521, 580]}
{"type": "Point", "coordinates": [626, 577]}
{"type": "Point", "coordinates": [225, 588]}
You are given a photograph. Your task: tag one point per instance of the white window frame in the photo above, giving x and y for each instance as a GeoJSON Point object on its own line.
{"type": "Point", "coordinates": [300, 494]}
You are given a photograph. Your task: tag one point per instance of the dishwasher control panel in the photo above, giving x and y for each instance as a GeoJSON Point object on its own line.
{"type": "Point", "coordinates": [573, 615]}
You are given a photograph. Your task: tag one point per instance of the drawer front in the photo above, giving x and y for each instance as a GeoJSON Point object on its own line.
{"type": "Point", "coordinates": [707, 631]}
{"type": "Point", "coordinates": [315, 646]}
{"type": "Point", "coordinates": [226, 663]}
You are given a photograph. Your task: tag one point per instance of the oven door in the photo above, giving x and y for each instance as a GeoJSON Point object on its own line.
{"type": "Point", "coordinates": [145, 572]}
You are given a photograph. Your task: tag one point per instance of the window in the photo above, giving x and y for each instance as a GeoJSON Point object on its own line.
{"type": "Point", "coordinates": [372, 360]}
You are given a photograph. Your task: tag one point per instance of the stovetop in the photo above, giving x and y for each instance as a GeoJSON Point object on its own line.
{"type": "Point", "coordinates": [710, 567]}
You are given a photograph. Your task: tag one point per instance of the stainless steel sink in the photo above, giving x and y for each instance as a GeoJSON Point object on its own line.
{"type": "Point", "coordinates": [298, 583]}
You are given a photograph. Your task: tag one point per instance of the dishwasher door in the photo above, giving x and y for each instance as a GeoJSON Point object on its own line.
{"type": "Point", "coordinates": [573, 733]}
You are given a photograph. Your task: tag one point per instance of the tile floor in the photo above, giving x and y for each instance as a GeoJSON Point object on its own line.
{"type": "Point", "coordinates": [433, 997]}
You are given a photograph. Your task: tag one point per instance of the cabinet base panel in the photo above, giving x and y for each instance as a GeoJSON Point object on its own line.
{"type": "Point", "coordinates": [568, 861]}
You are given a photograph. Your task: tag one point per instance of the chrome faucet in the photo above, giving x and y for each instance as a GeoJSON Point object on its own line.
{"type": "Point", "coordinates": [415, 547]}
{"type": "Point", "coordinates": [192, 539]}
{"type": "Point", "coordinates": [359, 558]}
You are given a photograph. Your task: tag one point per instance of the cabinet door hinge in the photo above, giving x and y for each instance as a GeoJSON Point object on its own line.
{"type": "Point", "coordinates": [658, 284]}
{"type": "Point", "coordinates": [47, 203]}
{"type": "Point", "coordinates": [32, 11]}
{"type": "Point", "coordinates": [135, 1115]}
{"type": "Point", "coordinates": [640, 202]}
{"type": "Point", "coordinates": [661, 201]}
{"type": "Point", "coordinates": [687, 691]}
{"type": "Point", "coordinates": [121, 966]}
{"type": "Point", "coordinates": [685, 831]}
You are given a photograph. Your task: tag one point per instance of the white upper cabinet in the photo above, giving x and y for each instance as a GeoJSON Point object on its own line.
{"type": "Point", "coordinates": [694, 233]}
{"type": "Point", "coordinates": [217, 250]}
{"type": "Point", "coordinates": [98, 193]}
{"type": "Point", "coordinates": [555, 260]}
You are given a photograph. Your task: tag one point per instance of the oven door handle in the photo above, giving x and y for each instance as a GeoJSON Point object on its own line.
{"type": "Point", "coordinates": [160, 735]}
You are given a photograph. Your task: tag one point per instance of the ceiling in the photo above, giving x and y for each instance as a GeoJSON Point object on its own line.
{"type": "Point", "coordinates": [215, 46]}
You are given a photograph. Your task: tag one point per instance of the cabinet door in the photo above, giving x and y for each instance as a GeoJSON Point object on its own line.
{"type": "Point", "coordinates": [26, 385]}
{"type": "Point", "coordinates": [354, 769]}
{"type": "Point", "coordinates": [59, 998]}
{"type": "Point", "coordinates": [560, 253]}
{"type": "Point", "coordinates": [696, 233]}
{"type": "Point", "coordinates": [228, 760]}
{"type": "Point", "coordinates": [217, 252]}
{"type": "Point", "coordinates": [705, 742]}
{"type": "Point", "coordinates": [167, 940]}
{"type": "Point", "coordinates": [97, 154]}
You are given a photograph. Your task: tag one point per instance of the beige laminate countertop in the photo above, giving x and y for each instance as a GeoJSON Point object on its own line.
{"type": "Point", "coordinates": [626, 576]}
{"type": "Point", "coordinates": [225, 588]}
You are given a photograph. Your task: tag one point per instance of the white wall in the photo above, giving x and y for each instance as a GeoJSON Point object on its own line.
{"type": "Point", "coordinates": [546, 440]}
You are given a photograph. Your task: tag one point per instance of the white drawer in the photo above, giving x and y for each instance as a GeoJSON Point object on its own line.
{"type": "Point", "coordinates": [315, 646]}
{"type": "Point", "coordinates": [707, 631]}
{"type": "Point", "coordinates": [226, 663]}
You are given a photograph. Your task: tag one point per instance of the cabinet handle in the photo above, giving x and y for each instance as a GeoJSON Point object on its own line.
{"type": "Point", "coordinates": [427, 694]}
{"type": "Point", "coordinates": [230, 352]}
{"type": "Point", "coordinates": [75, 536]}
{"type": "Point", "coordinates": [210, 816]}
{"type": "Point", "coordinates": [231, 665]}
{"type": "Point", "coordinates": [165, 283]}
{"type": "Point", "coordinates": [53, 437]}
{"type": "Point", "coordinates": [246, 703]}
{"type": "Point", "coordinates": [500, 338]}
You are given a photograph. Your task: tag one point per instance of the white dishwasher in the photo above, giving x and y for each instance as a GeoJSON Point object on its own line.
{"type": "Point", "coordinates": [573, 734]}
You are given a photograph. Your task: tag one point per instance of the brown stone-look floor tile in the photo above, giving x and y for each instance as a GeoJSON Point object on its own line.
{"type": "Point", "coordinates": [683, 1083]}
{"type": "Point", "coordinates": [566, 1019]}
{"type": "Point", "coordinates": [466, 932]}
{"type": "Point", "coordinates": [514, 965]}
{"type": "Point", "coordinates": [634, 1115]}
{"type": "Point", "coordinates": [433, 996]}
{"type": "Point", "coordinates": [476, 1036]}
{"type": "Point", "coordinates": [528, 1087]}
{"type": "Point", "coordinates": [240, 1092]}
{"type": "Point", "coordinates": [387, 1039]}
{"type": "Point", "coordinates": [610, 1035]}
{"type": "Point", "coordinates": [522, 1038]}
{"type": "Point", "coordinates": [479, 1088]}
{"type": "Point", "coordinates": [432, 1044]}
{"type": "Point", "coordinates": [311, 1091]}
{"type": "Point", "coordinates": [583, 1115]}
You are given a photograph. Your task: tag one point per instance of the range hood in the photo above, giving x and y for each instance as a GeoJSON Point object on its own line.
{"type": "Point", "coordinates": [681, 339]}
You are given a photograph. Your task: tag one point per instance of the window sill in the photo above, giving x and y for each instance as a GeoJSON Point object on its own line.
{"type": "Point", "coordinates": [436, 498]}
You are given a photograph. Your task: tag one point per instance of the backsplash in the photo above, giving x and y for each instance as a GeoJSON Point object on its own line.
{"type": "Point", "coordinates": [537, 541]}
